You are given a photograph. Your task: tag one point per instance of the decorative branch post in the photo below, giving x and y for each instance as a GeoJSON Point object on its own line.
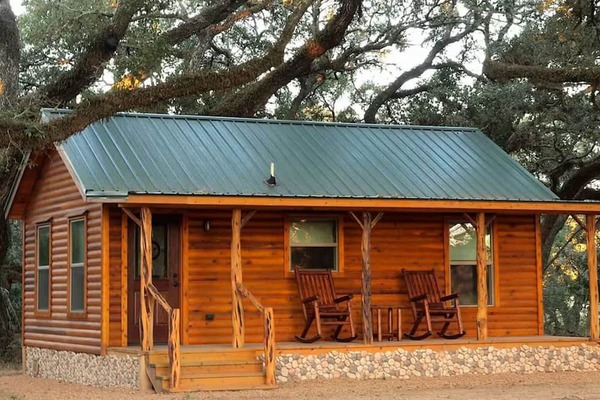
{"type": "Point", "coordinates": [365, 249]}
{"type": "Point", "coordinates": [593, 275]}
{"type": "Point", "coordinates": [237, 307]}
{"type": "Point", "coordinates": [367, 224]}
{"type": "Point", "coordinates": [174, 347]}
{"type": "Point", "coordinates": [269, 346]}
{"type": "Point", "coordinates": [482, 292]}
{"type": "Point", "coordinates": [146, 299]}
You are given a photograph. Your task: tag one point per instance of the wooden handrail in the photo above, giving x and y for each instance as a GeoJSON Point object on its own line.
{"type": "Point", "coordinates": [269, 333]}
{"type": "Point", "coordinates": [159, 298]}
{"type": "Point", "coordinates": [150, 295]}
{"type": "Point", "coordinates": [173, 345]}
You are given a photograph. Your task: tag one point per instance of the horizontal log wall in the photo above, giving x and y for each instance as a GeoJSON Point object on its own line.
{"type": "Point", "coordinates": [399, 241]}
{"type": "Point", "coordinates": [117, 331]}
{"type": "Point", "coordinates": [55, 197]}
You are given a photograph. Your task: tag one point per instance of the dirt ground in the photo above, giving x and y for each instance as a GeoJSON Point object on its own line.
{"type": "Point", "coordinates": [547, 386]}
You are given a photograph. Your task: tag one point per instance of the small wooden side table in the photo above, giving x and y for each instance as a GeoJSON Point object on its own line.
{"type": "Point", "coordinates": [394, 332]}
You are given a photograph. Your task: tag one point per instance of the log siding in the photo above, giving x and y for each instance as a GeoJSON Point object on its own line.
{"type": "Point", "coordinates": [414, 241]}
{"type": "Point", "coordinates": [54, 198]}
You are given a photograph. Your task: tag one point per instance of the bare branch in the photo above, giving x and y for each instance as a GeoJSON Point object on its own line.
{"type": "Point", "coordinates": [439, 46]}
{"type": "Point", "coordinates": [119, 100]}
{"type": "Point", "coordinates": [253, 97]}
{"type": "Point", "coordinates": [499, 71]}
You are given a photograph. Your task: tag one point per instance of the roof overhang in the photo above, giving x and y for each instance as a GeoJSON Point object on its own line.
{"type": "Point", "coordinates": [416, 205]}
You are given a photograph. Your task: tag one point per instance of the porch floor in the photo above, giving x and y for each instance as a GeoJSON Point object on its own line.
{"type": "Point", "coordinates": [322, 346]}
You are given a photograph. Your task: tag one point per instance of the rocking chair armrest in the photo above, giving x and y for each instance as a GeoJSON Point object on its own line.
{"type": "Point", "coordinates": [310, 299]}
{"type": "Point", "coordinates": [418, 298]}
{"type": "Point", "coordinates": [347, 297]}
{"type": "Point", "coordinates": [449, 297]}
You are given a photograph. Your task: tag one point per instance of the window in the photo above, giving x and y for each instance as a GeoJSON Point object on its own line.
{"type": "Point", "coordinates": [462, 239]}
{"type": "Point", "coordinates": [43, 267]}
{"type": "Point", "coordinates": [77, 265]}
{"type": "Point", "coordinates": [313, 243]}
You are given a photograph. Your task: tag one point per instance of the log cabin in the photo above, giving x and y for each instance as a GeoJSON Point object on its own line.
{"type": "Point", "coordinates": [161, 249]}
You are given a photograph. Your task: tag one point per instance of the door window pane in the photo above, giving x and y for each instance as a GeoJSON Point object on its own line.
{"type": "Point", "coordinates": [160, 251]}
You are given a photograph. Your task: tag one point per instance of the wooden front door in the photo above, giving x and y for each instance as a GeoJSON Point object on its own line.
{"type": "Point", "coordinates": [166, 266]}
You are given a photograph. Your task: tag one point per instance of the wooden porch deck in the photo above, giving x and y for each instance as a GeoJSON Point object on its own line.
{"type": "Point", "coordinates": [437, 344]}
{"type": "Point", "coordinates": [222, 367]}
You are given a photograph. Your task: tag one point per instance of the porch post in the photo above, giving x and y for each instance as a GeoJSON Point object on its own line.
{"type": "Point", "coordinates": [147, 301]}
{"type": "Point", "coordinates": [482, 293]}
{"type": "Point", "coordinates": [237, 308]}
{"type": "Point", "coordinates": [593, 274]}
{"type": "Point", "coordinates": [365, 248]}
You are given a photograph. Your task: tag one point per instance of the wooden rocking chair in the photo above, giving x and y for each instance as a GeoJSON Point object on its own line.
{"type": "Point", "coordinates": [321, 304]}
{"type": "Point", "coordinates": [429, 303]}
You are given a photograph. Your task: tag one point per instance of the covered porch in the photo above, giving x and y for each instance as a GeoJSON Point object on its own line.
{"type": "Point", "coordinates": [265, 306]}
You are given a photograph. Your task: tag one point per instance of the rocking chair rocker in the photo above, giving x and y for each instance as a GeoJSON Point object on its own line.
{"type": "Point", "coordinates": [429, 303]}
{"type": "Point", "coordinates": [321, 304]}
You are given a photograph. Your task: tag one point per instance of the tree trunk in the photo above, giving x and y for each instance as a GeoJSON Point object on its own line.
{"type": "Point", "coordinates": [9, 56]}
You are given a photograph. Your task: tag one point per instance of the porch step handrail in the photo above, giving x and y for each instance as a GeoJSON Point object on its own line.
{"type": "Point", "coordinates": [173, 344]}
{"type": "Point", "coordinates": [269, 332]}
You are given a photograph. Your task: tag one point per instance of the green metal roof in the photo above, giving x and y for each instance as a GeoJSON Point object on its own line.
{"type": "Point", "coordinates": [189, 155]}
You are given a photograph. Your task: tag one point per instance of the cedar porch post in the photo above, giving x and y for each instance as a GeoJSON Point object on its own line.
{"type": "Point", "coordinates": [593, 275]}
{"type": "Point", "coordinates": [482, 293]}
{"type": "Point", "coordinates": [367, 224]}
{"type": "Point", "coordinates": [365, 249]}
{"type": "Point", "coordinates": [147, 301]}
{"type": "Point", "coordinates": [237, 308]}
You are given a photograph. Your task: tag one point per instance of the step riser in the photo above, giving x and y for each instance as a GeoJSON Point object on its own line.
{"type": "Point", "coordinates": [216, 383]}
{"type": "Point", "coordinates": [163, 359]}
{"type": "Point", "coordinates": [210, 369]}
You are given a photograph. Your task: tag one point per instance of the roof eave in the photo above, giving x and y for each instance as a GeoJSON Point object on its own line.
{"type": "Point", "coordinates": [15, 185]}
{"type": "Point", "coordinates": [417, 205]}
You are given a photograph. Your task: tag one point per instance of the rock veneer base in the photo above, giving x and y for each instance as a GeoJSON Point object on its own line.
{"type": "Point", "coordinates": [399, 363]}
{"type": "Point", "coordinates": [87, 369]}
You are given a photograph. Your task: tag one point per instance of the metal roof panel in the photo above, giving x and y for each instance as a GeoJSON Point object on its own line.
{"type": "Point", "coordinates": [167, 154]}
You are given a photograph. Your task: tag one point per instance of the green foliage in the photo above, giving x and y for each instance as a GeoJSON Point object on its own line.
{"type": "Point", "coordinates": [10, 298]}
{"type": "Point", "coordinates": [566, 284]}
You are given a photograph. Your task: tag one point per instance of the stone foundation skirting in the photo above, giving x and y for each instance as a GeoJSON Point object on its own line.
{"type": "Point", "coordinates": [404, 364]}
{"type": "Point", "coordinates": [87, 369]}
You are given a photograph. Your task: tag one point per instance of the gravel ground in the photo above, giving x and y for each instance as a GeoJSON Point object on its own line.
{"type": "Point", "coordinates": [547, 386]}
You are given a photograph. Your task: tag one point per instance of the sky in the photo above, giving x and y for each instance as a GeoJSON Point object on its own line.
{"type": "Point", "coordinates": [16, 6]}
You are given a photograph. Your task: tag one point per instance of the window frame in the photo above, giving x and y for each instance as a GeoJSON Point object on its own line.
{"type": "Point", "coordinates": [287, 247]}
{"type": "Point", "coordinates": [83, 312]}
{"type": "Point", "coordinates": [495, 301]}
{"type": "Point", "coordinates": [37, 311]}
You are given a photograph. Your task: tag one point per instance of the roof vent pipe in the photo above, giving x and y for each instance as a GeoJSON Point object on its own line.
{"type": "Point", "coordinates": [272, 181]}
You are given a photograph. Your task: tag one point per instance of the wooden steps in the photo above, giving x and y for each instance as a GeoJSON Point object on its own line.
{"type": "Point", "coordinates": [205, 370]}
